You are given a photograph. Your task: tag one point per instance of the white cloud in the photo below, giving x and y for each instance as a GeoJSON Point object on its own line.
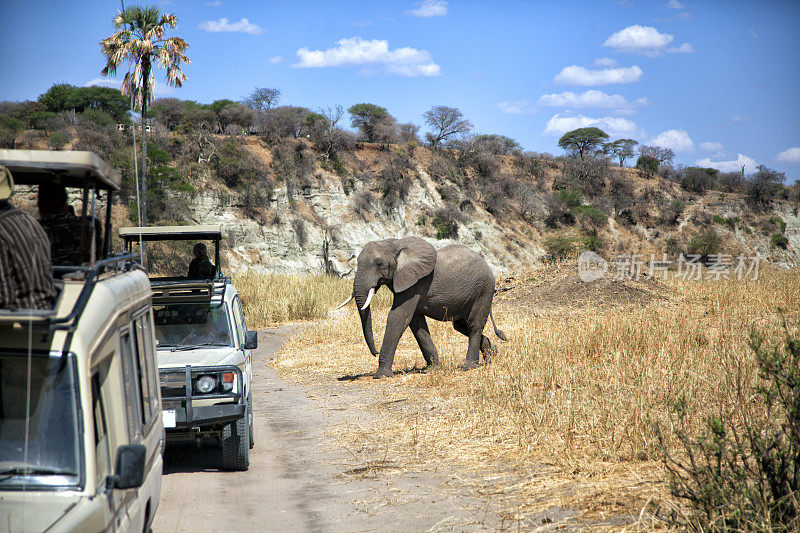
{"type": "Point", "coordinates": [674, 4]}
{"type": "Point", "coordinates": [575, 75]}
{"type": "Point", "coordinates": [729, 166]}
{"type": "Point", "coordinates": [753, 33]}
{"type": "Point", "coordinates": [561, 123]}
{"type": "Point", "coordinates": [592, 99]}
{"type": "Point", "coordinates": [604, 62]}
{"type": "Point", "coordinates": [712, 147]}
{"type": "Point", "coordinates": [636, 37]}
{"type": "Point", "coordinates": [645, 40]}
{"type": "Point", "coordinates": [224, 25]}
{"type": "Point", "coordinates": [373, 55]}
{"type": "Point", "coordinates": [790, 155]}
{"type": "Point", "coordinates": [429, 8]}
{"type": "Point", "coordinates": [685, 48]}
{"type": "Point", "coordinates": [215, 3]}
{"type": "Point", "coordinates": [276, 60]}
{"type": "Point", "coordinates": [677, 140]}
{"type": "Point", "coordinates": [517, 107]}
{"type": "Point", "coordinates": [105, 82]}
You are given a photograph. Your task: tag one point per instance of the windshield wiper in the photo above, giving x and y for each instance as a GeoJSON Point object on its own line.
{"type": "Point", "coordinates": [183, 347]}
{"type": "Point", "coordinates": [33, 471]}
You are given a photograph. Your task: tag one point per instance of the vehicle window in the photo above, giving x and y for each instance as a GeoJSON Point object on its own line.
{"type": "Point", "coordinates": [53, 454]}
{"type": "Point", "coordinates": [132, 396]}
{"type": "Point", "coordinates": [142, 370]}
{"type": "Point", "coordinates": [102, 453]}
{"type": "Point", "coordinates": [239, 320]}
{"type": "Point", "coordinates": [192, 325]}
{"type": "Point", "coordinates": [150, 356]}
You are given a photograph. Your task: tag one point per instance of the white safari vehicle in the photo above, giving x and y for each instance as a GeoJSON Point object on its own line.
{"type": "Point", "coordinates": [204, 351]}
{"type": "Point", "coordinates": [80, 415]}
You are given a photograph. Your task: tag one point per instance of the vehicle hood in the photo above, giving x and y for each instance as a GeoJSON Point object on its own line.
{"type": "Point", "coordinates": [200, 357]}
{"type": "Point", "coordinates": [38, 511]}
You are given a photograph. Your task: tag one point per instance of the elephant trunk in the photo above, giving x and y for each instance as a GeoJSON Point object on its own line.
{"type": "Point", "coordinates": [361, 291]}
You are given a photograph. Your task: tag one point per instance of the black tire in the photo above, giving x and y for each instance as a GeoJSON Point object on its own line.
{"type": "Point", "coordinates": [250, 418]}
{"type": "Point", "coordinates": [235, 448]}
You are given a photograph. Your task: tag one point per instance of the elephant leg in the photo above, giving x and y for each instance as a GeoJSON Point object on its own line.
{"type": "Point", "coordinates": [485, 345]}
{"type": "Point", "coordinates": [419, 326]}
{"type": "Point", "coordinates": [399, 319]}
{"type": "Point", "coordinates": [472, 352]}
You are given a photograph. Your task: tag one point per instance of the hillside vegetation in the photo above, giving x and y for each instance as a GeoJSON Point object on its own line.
{"type": "Point", "coordinates": [296, 192]}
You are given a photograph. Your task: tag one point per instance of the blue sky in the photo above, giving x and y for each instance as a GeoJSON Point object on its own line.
{"type": "Point", "coordinates": [717, 81]}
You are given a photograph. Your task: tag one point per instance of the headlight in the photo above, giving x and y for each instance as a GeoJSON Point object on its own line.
{"type": "Point", "coordinates": [205, 384]}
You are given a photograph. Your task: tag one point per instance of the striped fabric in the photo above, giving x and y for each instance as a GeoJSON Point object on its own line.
{"type": "Point", "coordinates": [26, 281]}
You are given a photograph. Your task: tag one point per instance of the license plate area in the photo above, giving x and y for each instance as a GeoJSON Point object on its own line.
{"type": "Point", "coordinates": [169, 418]}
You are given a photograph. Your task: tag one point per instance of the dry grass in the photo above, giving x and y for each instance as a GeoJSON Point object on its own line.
{"type": "Point", "coordinates": [270, 299]}
{"type": "Point", "coordinates": [563, 414]}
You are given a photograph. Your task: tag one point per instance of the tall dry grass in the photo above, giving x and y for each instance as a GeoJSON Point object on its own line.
{"type": "Point", "coordinates": [270, 299]}
{"type": "Point", "coordinates": [576, 389]}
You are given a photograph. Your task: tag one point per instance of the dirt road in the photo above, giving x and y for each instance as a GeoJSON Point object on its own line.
{"type": "Point", "coordinates": [301, 478]}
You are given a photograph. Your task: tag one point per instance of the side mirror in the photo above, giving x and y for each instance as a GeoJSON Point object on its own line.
{"type": "Point", "coordinates": [250, 340]}
{"type": "Point", "coordinates": [129, 472]}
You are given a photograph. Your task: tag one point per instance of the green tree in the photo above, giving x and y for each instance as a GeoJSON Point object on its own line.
{"type": "Point", "coordinates": [647, 165]}
{"type": "Point", "coordinates": [9, 129]}
{"type": "Point", "coordinates": [622, 149]}
{"type": "Point", "coordinates": [582, 140]}
{"type": "Point", "coordinates": [663, 155]}
{"type": "Point", "coordinates": [139, 41]}
{"type": "Point", "coordinates": [366, 118]}
{"type": "Point", "coordinates": [445, 122]}
{"type": "Point", "coordinates": [763, 186]}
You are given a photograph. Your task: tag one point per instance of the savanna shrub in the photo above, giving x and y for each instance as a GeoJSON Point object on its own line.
{"type": "Point", "coordinates": [558, 248]}
{"type": "Point", "coordinates": [742, 472]}
{"type": "Point", "coordinates": [779, 241]}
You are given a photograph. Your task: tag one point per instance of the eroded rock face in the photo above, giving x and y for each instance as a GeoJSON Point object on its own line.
{"type": "Point", "coordinates": [292, 240]}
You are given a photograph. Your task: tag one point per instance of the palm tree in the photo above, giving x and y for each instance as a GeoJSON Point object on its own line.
{"type": "Point", "coordinates": [140, 41]}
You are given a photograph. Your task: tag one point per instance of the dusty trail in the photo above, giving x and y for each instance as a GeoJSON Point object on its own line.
{"type": "Point", "coordinates": [301, 479]}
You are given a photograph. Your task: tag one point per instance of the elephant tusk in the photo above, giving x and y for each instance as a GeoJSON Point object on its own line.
{"type": "Point", "coordinates": [369, 298]}
{"type": "Point", "coordinates": [344, 303]}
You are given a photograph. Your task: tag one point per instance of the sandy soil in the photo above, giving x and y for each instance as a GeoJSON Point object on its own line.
{"type": "Point", "coordinates": [302, 479]}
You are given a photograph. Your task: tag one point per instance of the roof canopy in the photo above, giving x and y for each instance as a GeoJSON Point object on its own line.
{"type": "Point", "coordinates": [73, 169]}
{"type": "Point", "coordinates": [171, 233]}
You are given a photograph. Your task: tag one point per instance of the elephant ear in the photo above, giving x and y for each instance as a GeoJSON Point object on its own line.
{"type": "Point", "coordinates": [415, 260]}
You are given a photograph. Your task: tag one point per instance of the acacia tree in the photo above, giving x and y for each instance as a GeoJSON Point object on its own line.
{"type": "Point", "coordinates": [582, 140]}
{"type": "Point", "coordinates": [621, 148]}
{"type": "Point", "coordinates": [367, 118]}
{"type": "Point", "coordinates": [139, 41]}
{"type": "Point", "coordinates": [445, 122]}
{"type": "Point", "coordinates": [663, 155]}
{"type": "Point", "coordinates": [263, 99]}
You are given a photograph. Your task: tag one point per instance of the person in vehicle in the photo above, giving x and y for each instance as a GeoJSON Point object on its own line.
{"type": "Point", "coordinates": [201, 267]}
{"type": "Point", "coordinates": [70, 236]}
{"type": "Point", "coordinates": [26, 280]}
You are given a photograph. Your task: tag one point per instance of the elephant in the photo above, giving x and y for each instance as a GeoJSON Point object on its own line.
{"type": "Point", "coordinates": [452, 284]}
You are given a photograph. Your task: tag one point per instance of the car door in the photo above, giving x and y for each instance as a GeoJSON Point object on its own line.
{"type": "Point", "coordinates": [241, 328]}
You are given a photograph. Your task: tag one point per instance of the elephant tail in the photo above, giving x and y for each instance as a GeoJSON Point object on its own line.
{"type": "Point", "coordinates": [500, 334]}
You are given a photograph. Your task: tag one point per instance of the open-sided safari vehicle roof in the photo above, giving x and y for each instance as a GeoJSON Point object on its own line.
{"type": "Point", "coordinates": [87, 171]}
{"type": "Point", "coordinates": [72, 169]}
{"type": "Point", "coordinates": [181, 289]}
{"type": "Point", "coordinates": [171, 233]}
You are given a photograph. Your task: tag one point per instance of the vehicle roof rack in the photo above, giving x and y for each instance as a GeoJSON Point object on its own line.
{"type": "Point", "coordinates": [183, 291]}
{"type": "Point", "coordinates": [171, 233]}
{"type": "Point", "coordinates": [70, 168]}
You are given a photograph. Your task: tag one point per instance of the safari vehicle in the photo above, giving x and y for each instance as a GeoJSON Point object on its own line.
{"type": "Point", "coordinates": [80, 414]}
{"type": "Point", "coordinates": [204, 351]}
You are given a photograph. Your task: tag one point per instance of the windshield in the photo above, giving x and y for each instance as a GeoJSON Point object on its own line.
{"type": "Point", "coordinates": [53, 449]}
{"type": "Point", "coordinates": [191, 325]}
